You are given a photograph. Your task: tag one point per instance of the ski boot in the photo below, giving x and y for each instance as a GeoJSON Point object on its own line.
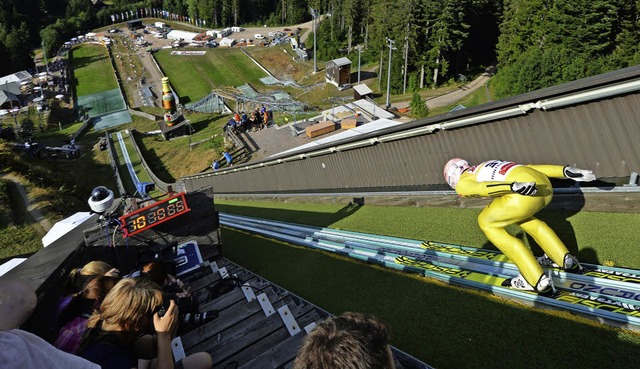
{"type": "Point", "coordinates": [571, 263]}
{"type": "Point", "coordinates": [543, 287]}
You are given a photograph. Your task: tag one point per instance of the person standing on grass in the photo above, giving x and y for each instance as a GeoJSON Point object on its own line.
{"type": "Point", "coordinates": [227, 157]}
{"type": "Point", "coordinates": [520, 191]}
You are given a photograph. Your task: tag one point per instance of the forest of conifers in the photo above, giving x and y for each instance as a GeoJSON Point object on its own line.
{"type": "Point", "coordinates": [533, 43]}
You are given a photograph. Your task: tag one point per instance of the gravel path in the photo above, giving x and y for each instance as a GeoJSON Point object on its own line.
{"type": "Point", "coordinates": [31, 208]}
{"type": "Point", "coordinates": [453, 96]}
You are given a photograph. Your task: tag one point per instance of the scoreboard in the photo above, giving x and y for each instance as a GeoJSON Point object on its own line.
{"type": "Point", "coordinates": [154, 214]}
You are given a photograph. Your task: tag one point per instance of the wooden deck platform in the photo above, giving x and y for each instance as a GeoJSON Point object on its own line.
{"type": "Point", "coordinates": [259, 324]}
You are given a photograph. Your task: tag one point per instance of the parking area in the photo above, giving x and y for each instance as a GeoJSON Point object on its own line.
{"type": "Point", "coordinates": [267, 33]}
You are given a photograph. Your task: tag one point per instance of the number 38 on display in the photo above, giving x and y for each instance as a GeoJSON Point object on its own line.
{"type": "Point", "coordinates": [153, 214]}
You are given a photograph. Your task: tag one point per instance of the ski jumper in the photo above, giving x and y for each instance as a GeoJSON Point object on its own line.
{"type": "Point", "coordinates": [493, 179]}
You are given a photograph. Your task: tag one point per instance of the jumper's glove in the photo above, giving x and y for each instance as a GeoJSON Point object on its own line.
{"type": "Point", "coordinates": [579, 175]}
{"type": "Point", "coordinates": [524, 188]}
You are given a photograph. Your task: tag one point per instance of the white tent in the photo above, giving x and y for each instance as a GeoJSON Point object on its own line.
{"type": "Point", "coordinates": [181, 35]}
{"type": "Point", "coordinates": [64, 226]}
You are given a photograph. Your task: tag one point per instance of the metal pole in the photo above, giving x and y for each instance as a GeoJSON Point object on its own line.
{"type": "Point", "coordinates": [359, 54]}
{"type": "Point", "coordinates": [315, 65]}
{"type": "Point", "coordinates": [388, 104]}
{"type": "Point", "coordinates": [46, 64]}
{"type": "Point", "coordinates": [406, 56]}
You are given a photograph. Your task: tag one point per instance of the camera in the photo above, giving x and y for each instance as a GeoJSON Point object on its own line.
{"type": "Point", "coordinates": [162, 310]}
{"type": "Point", "coordinates": [101, 199]}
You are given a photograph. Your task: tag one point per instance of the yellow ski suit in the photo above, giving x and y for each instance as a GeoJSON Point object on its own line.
{"type": "Point", "coordinates": [493, 179]}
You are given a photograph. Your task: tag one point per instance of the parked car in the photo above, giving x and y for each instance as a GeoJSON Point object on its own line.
{"type": "Point", "coordinates": [258, 36]}
{"type": "Point", "coordinates": [344, 86]}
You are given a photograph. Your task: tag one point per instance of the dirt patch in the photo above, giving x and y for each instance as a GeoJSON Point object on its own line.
{"type": "Point", "coordinates": [280, 62]}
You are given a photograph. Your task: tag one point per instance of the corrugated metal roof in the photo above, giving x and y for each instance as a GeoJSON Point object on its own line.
{"type": "Point", "coordinates": [342, 61]}
{"type": "Point", "coordinates": [600, 134]}
{"type": "Point", "coordinates": [362, 89]}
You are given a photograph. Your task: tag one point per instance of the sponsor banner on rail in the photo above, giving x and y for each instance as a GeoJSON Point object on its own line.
{"type": "Point", "coordinates": [188, 52]}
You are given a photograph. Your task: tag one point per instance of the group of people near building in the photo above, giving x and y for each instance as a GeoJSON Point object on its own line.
{"type": "Point", "coordinates": [105, 321]}
{"type": "Point", "coordinates": [242, 122]}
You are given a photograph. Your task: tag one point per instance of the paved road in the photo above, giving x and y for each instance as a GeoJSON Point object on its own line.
{"type": "Point", "coordinates": [453, 96]}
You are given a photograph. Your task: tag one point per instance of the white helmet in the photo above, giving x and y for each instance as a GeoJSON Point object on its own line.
{"type": "Point", "coordinates": [453, 169]}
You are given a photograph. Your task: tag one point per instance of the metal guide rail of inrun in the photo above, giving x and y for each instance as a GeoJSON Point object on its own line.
{"type": "Point", "coordinates": [608, 294]}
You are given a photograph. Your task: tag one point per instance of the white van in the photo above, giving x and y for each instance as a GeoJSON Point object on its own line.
{"type": "Point", "coordinates": [258, 36]}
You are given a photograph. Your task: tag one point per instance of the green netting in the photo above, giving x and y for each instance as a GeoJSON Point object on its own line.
{"type": "Point", "coordinates": [270, 81]}
{"type": "Point", "coordinates": [247, 91]}
{"type": "Point", "coordinates": [102, 103]}
{"type": "Point", "coordinates": [281, 95]}
{"type": "Point", "coordinates": [111, 120]}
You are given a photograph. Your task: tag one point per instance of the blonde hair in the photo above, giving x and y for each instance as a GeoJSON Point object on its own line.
{"type": "Point", "coordinates": [95, 268]}
{"type": "Point", "coordinates": [128, 302]}
{"type": "Point", "coordinates": [78, 278]}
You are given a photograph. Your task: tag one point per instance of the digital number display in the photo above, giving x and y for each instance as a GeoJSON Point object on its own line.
{"type": "Point", "coordinates": [154, 214]}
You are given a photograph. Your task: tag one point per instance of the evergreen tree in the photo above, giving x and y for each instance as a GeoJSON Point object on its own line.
{"type": "Point", "coordinates": [18, 47]}
{"type": "Point", "coordinates": [419, 108]}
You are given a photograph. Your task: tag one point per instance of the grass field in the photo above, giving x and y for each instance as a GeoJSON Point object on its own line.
{"type": "Point", "coordinates": [279, 61]}
{"type": "Point", "coordinates": [447, 327]}
{"type": "Point", "coordinates": [477, 97]}
{"type": "Point", "coordinates": [173, 159]}
{"type": "Point", "coordinates": [194, 77]}
{"type": "Point", "coordinates": [18, 234]}
{"type": "Point", "coordinates": [92, 70]}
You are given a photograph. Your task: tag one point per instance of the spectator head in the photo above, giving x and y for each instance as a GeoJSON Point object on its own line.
{"type": "Point", "coordinates": [155, 272]}
{"type": "Point", "coordinates": [348, 341]}
{"type": "Point", "coordinates": [128, 307]}
{"type": "Point", "coordinates": [78, 278]}
{"type": "Point", "coordinates": [95, 268]}
{"type": "Point", "coordinates": [97, 288]}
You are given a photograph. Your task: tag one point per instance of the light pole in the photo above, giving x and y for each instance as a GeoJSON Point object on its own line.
{"type": "Point", "coordinates": [390, 44]}
{"type": "Point", "coordinates": [406, 57]}
{"type": "Point", "coordinates": [44, 53]}
{"type": "Point", "coordinates": [359, 47]}
{"type": "Point", "coordinates": [314, 15]}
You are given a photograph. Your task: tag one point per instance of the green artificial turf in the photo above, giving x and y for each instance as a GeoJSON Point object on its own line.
{"type": "Point", "coordinates": [194, 77]}
{"type": "Point", "coordinates": [444, 326]}
{"type": "Point", "coordinates": [92, 70]}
